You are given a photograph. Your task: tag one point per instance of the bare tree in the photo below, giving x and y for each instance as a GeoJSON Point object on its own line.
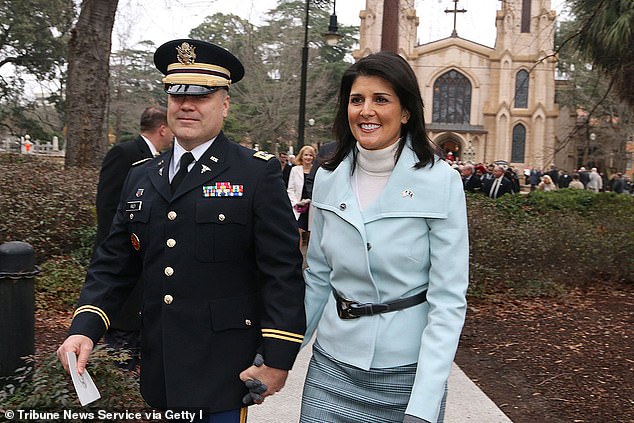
{"type": "Point", "coordinates": [265, 102]}
{"type": "Point", "coordinates": [603, 115]}
{"type": "Point", "coordinates": [87, 88]}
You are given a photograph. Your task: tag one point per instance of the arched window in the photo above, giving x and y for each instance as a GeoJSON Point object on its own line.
{"type": "Point", "coordinates": [521, 89]}
{"type": "Point", "coordinates": [519, 144]}
{"type": "Point", "coordinates": [452, 98]}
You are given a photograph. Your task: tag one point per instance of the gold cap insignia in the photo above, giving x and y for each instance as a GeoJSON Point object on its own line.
{"type": "Point", "coordinates": [186, 54]}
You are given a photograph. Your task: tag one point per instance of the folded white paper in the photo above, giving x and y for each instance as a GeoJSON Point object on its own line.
{"type": "Point", "coordinates": [84, 386]}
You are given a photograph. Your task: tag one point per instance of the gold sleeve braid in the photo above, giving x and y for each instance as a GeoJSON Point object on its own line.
{"type": "Point", "coordinates": [280, 334]}
{"type": "Point", "coordinates": [93, 309]}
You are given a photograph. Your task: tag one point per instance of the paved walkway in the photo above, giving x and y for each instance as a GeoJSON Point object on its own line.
{"type": "Point", "coordinates": [465, 401]}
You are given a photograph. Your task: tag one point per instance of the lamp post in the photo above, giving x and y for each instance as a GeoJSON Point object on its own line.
{"type": "Point", "coordinates": [332, 37]}
{"type": "Point", "coordinates": [589, 143]}
{"type": "Point", "coordinates": [311, 123]}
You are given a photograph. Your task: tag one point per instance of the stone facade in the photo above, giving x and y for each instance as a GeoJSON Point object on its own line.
{"type": "Point", "coordinates": [483, 104]}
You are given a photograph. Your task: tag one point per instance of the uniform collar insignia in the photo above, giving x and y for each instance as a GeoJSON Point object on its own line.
{"type": "Point", "coordinates": [214, 159]}
{"type": "Point", "coordinates": [205, 168]}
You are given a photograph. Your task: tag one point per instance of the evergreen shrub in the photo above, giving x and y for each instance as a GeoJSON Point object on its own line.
{"type": "Point", "coordinates": [544, 243]}
{"type": "Point", "coordinates": [44, 204]}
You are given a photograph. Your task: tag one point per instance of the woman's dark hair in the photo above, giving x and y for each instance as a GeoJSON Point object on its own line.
{"type": "Point", "coordinates": [398, 73]}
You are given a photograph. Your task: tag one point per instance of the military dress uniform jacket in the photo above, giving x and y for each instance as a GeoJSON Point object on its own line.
{"type": "Point", "coordinates": [222, 275]}
{"type": "Point", "coordinates": [414, 237]}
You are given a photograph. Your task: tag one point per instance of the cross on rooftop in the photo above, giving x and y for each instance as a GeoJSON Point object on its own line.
{"type": "Point", "coordinates": [455, 12]}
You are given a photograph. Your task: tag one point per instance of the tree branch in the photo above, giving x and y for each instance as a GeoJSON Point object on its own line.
{"type": "Point", "coordinates": [576, 129]}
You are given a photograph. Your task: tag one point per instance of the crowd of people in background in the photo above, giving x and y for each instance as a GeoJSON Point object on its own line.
{"type": "Point", "coordinates": [480, 177]}
{"type": "Point", "coordinates": [497, 179]}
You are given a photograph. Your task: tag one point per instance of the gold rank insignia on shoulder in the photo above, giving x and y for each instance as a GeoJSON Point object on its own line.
{"type": "Point", "coordinates": [186, 54]}
{"type": "Point", "coordinates": [263, 155]}
{"type": "Point", "coordinates": [142, 161]}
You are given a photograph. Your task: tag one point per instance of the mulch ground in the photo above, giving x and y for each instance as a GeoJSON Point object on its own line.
{"type": "Point", "coordinates": [569, 359]}
{"type": "Point", "coordinates": [555, 360]}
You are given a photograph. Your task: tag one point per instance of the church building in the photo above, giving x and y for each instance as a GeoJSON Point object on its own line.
{"type": "Point", "coordinates": [482, 104]}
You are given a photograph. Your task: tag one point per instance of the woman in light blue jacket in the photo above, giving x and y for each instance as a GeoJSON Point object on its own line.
{"type": "Point", "coordinates": [388, 259]}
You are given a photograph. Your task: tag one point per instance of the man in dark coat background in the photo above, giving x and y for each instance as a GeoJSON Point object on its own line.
{"type": "Point", "coordinates": [285, 166]}
{"type": "Point", "coordinates": [155, 136]}
{"type": "Point", "coordinates": [209, 226]}
{"type": "Point", "coordinates": [534, 177]}
{"type": "Point", "coordinates": [470, 181]}
{"type": "Point", "coordinates": [498, 185]}
{"type": "Point", "coordinates": [584, 176]}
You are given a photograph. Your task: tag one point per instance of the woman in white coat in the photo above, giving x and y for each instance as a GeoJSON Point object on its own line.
{"type": "Point", "coordinates": [300, 188]}
{"type": "Point", "coordinates": [388, 260]}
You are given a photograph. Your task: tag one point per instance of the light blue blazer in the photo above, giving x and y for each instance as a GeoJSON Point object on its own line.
{"type": "Point", "coordinates": [413, 237]}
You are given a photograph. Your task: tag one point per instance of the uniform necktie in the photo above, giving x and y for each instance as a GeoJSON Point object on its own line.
{"type": "Point", "coordinates": [186, 159]}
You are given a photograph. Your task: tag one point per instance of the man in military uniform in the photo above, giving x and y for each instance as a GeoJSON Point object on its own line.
{"type": "Point", "coordinates": [209, 226]}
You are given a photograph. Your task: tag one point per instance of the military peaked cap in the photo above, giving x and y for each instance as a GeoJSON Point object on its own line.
{"type": "Point", "coordinates": [194, 67]}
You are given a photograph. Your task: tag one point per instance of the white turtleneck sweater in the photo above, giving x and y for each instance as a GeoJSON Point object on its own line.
{"type": "Point", "coordinates": [373, 169]}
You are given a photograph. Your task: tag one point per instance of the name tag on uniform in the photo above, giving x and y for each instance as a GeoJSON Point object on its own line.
{"type": "Point", "coordinates": [132, 206]}
{"type": "Point", "coordinates": [223, 189]}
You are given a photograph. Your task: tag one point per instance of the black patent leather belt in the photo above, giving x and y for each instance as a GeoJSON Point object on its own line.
{"type": "Point", "coordinates": [348, 309]}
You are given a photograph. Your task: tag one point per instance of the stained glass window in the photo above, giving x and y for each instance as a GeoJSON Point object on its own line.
{"type": "Point", "coordinates": [519, 144]}
{"type": "Point", "coordinates": [521, 89]}
{"type": "Point", "coordinates": [452, 98]}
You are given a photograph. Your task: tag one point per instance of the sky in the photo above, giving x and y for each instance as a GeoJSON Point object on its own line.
{"type": "Point", "coordinates": [164, 20]}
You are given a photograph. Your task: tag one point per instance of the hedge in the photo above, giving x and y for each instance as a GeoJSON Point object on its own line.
{"type": "Point", "coordinates": [524, 243]}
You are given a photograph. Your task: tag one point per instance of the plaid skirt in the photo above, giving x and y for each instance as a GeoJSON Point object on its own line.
{"type": "Point", "coordinates": [335, 392]}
